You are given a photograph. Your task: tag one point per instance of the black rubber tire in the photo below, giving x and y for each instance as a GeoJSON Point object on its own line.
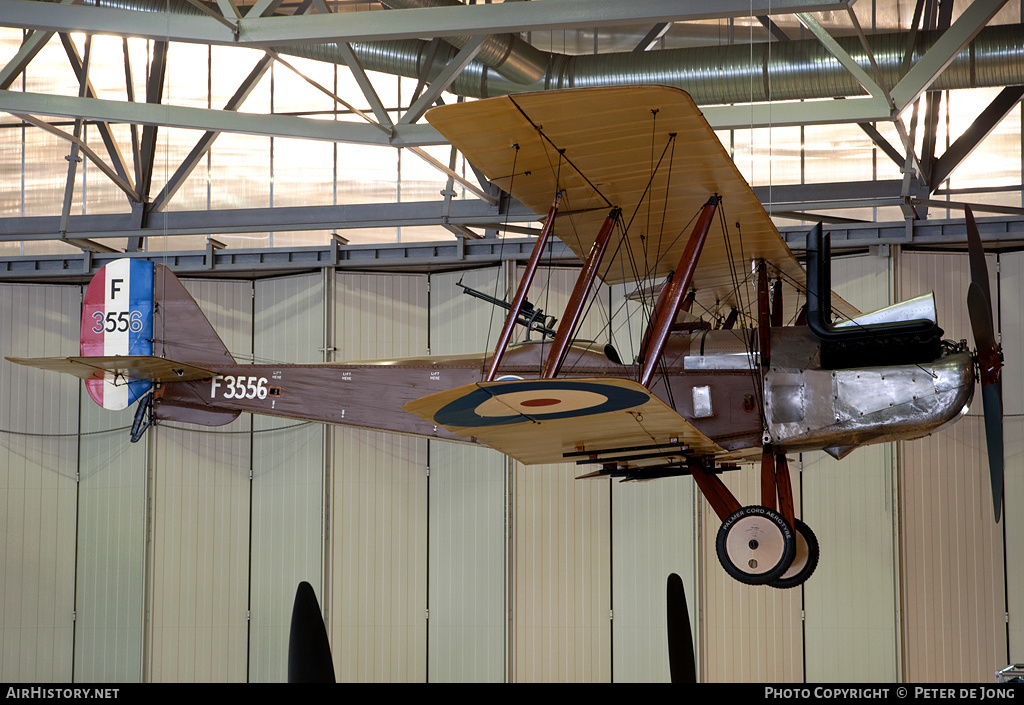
{"type": "Point", "coordinates": [755, 545]}
{"type": "Point", "coordinates": [805, 560]}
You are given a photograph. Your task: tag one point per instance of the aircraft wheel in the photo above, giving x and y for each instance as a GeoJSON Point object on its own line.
{"type": "Point", "coordinates": [755, 545]}
{"type": "Point", "coordinates": [805, 560]}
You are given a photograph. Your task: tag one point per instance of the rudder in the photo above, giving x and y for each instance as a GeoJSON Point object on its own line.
{"type": "Point", "coordinates": [136, 307]}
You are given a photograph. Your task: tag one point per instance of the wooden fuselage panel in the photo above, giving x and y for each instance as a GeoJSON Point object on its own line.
{"type": "Point", "coordinates": [371, 394]}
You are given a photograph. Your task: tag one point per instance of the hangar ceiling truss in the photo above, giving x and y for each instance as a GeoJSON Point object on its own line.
{"type": "Point", "coordinates": [801, 63]}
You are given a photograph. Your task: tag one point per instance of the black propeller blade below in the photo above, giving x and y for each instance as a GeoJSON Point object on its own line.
{"type": "Point", "coordinates": [979, 307]}
{"type": "Point", "coordinates": [992, 404]}
{"type": "Point", "coordinates": [681, 662]}
{"type": "Point", "coordinates": [309, 651]}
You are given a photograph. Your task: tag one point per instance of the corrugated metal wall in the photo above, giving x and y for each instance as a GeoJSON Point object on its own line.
{"type": "Point", "coordinates": [468, 591]}
{"type": "Point", "coordinates": [377, 541]}
{"type": "Point", "coordinates": [527, 574]}
{"type": "Point", "coordinates": [953, 592]}
{"type": "Point", "coordinates": [199, 558]}
{"type": "Point", "coordinates": [287, 476]}
{"type": "Point", "coordinates": [1011, 315]}
{"type": "Point", "coordinates": [38, 489]}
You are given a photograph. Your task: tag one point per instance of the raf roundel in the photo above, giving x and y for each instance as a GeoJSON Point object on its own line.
{"type": "Point", "coordinates": [536, 400]}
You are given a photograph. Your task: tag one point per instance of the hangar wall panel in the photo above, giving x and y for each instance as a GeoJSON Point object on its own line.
{"type": "Point", "coordinates": [562, 571]}
{"type": "Point", "coordinates": [654, 533]}
{"type": "Point", "coordinates": [199, 563]}
{"type": "Point", "coordinates": [467, 544]}
{"type": "Point", "coordinates": [111, 547]}
{"type": "Point", "coordinates": [38, 466]}
{"type": "Point", "coordinates": [378, 501]}
{"type": "Point", "coordinates": [850, 602]}
{"type": "Point", "coordinates": [1011, 314]}
{"type": "Point", "coordinates": [467, 591]}
{"type": "Point", "coordinates": [953, 600]}
{"type": "Point", "coordinates": [287, 477]}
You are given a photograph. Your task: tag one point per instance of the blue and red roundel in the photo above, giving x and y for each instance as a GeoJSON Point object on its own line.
{"type": "Point", "coordinates": [537, 400]}
{"type": "Point", "coordinates": [117, 319]}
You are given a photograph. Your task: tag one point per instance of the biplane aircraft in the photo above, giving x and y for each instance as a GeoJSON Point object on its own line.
{"type": "Point", "coordinates": [635, 182]}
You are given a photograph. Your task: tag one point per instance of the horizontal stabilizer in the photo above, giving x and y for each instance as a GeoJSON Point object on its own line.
{"type": "Point", "coordinates": [114, 368]}
{"type": "Point", "coordinates": [541, 420]}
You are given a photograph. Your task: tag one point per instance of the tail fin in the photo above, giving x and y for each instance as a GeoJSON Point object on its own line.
{"type": "Point", "coordinates": [134, 307]}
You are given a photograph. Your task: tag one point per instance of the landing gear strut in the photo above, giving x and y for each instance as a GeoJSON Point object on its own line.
{"type": "Point", "coordinates": [762, 544]}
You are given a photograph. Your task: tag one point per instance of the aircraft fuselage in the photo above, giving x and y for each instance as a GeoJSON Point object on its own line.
{"type": "Point", "coordinates": [710, 378]}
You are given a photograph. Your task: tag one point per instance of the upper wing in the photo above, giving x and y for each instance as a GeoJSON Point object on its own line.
{"type": "Point", "coordinates": [602, 146]}
{"type": "Point", "coordinates": [540, 421]}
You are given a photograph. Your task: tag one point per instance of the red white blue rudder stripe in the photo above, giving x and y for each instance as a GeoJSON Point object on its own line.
{"type": "Point", "coordinates": [117, 319]}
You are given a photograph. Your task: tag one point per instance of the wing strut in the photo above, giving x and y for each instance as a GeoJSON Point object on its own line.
{"type": "Point", "coordinates": [671, 297]}
{"type": "Point", "coordinates": [574, 309]}
{"type": "Point", "coordinates": [764, 315]}
{"type": "Point", "coordinates": [524, 287]}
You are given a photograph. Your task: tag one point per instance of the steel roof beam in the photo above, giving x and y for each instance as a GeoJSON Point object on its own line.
{"type": "Point", "coordinates": [468, 213]}
{"type": "Point", "coordinates": [216, 120]}
{"type": "Point", "coordinates": [76, 268]}
{"type": "Point", "coordinates": [469, 20]}
{"type": "Point", "coordinates": [934, 62]}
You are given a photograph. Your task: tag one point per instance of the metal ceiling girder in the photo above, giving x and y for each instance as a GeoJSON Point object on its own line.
{"type": "Point", "coordinates": [32, 45]}
{"type": "Point", "coordinates": [73, 158]}
{"type": "Point", "coordinates": [455, 254]}
{"type": "Point", "coordinates": [653, 35]}
{"type": "Point", "coordinates": [365, 26]}
{"type": "Point", "coordinates": [812, 112]}
{"type": "Point", "coordinates": [467, 213]}
{"type": "Point", "coordinates": [462, 254]}
{"type": "Point", "coordinates": [206, 141]}
{"type": "Point", "coordinates": [842, 56]}
{"type": "Point", "coordinates": [809, 112]}
{"type": "Point", "coordinates": [875, 86]}
{"type": "Point", "coordinates": [871, 131]}
{"type": "Point", "coordinates": [363, 81]}
{"type": "Point", "coordinates": [28, 50]}
{"type": "Point", "coordinates": [443, 80]}
{"type": "Point", "coordinates": [85, 149]}
{"type": "Point", "coordinates": [934, 62]}
{"type": "Point", "coordinates": [215, 120]}
{"type": "Point", "coordinates": [114, 152]}
{"type": "Point", "coordinates": [154, 92]}
{"type": "Point", "coordinates": [940, 16]}
{"type": "Point", "coordinates": [966, 143]}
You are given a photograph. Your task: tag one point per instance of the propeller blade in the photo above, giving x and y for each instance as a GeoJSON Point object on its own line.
{"type": "Point", "coordinates": [992, 403]}
{"type": "Point", "coordinates": [979, 311]}
{"type": "Point", "coordinates": [976, 254]}
{"type": "Point", "coordinates": [979, 308]}
{"type": "Point", "coordinates": [309, 651]}
{"type": "Point", "coordinates": [681, 662]}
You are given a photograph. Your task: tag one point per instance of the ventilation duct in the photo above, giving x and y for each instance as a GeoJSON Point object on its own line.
{"type": "Point", "coordinates": [794, 70]}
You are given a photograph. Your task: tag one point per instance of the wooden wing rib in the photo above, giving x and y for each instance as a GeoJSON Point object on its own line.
{"type": "Point", "coordinates": [538, 421]}
{"type": "Point", "coordinates": [601, 146]}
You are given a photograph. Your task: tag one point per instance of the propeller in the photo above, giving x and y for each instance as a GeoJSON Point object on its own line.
{"type": "Point", "coordinates": [309, 651]}
{"type": "Point", "coordinates": [990, 358]}
{"type": "Point", "coordinates": [681, 663]}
